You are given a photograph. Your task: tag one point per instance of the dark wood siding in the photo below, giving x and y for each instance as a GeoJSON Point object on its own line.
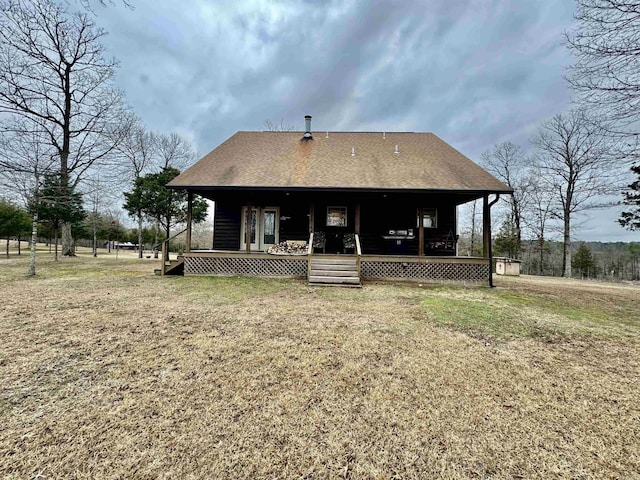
{"type": "Point", "coordinates": [294, 220]}
{"type": "Point", "coordinates": [227, 225]}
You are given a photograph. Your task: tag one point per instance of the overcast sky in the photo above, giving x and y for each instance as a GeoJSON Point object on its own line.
{"type": "Point", "coordinates": [474, 72]}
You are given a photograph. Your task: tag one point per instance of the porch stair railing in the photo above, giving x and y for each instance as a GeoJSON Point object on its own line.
{"type": "Point", "coordinates": [334, 270]}
{"type": "Point", "coordinates": [170, 267]}
{"type": "Point", "coordinates": [358, 252]}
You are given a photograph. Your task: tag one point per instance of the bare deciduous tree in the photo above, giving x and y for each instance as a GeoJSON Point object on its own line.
{"type": "Point", "coordinates": [271, 126]}
{"type": "Point", "coordinates": [174, 151]}
{"type": "Point", "coordinates": [25, 158]}
{"type": "Point", "coordinates": [606, 44]}
{"type": "Point", "coordinates": [539, 214]}
{"type": "Point", "coordinates": [470, 229]}
{"type": "Point", "coordinates": [138, 150]}
{"type": "Point", "coordinates": [508, 163]}
{"type": "Point", "coordinates": [89, 4]}
{"type": "Point", "coordinates": [573, 159]}
{"type": "Point", "coordinates": [54, 76]}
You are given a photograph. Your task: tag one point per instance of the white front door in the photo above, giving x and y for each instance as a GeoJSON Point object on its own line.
{"type": "Point", "coordinates": [265, 222]}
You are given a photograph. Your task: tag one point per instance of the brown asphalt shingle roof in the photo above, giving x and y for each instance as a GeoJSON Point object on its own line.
{"type": "Point", "coordinates": [282, 159]}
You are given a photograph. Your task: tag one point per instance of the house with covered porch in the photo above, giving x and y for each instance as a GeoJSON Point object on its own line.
{"type": "Point", "coordinates": [338, 207]}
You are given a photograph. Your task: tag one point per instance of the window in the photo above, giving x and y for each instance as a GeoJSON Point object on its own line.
{"type": "Point", "coordinates": [429, 218]}
{"type": "Point", "coordinates": [336, 216]}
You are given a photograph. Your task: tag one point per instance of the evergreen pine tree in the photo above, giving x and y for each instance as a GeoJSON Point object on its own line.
{"type": "Point", "coordinates": [631, 219]}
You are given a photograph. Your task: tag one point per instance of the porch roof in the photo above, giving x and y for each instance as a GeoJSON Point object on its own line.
{"type": "Point", "coordinates": [351, 160]}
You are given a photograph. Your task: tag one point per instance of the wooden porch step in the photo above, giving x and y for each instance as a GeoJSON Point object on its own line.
{"type": "Point", "coordinates": [322, 280]}
{"type": "Point", "coordinates": [333, 261]}
{"type": "Point", "coordinates": [332, 266]}
{"type": "Point", "coordinates": [334, 273]}
{"type": "Point", "coordinates": [174, 267]}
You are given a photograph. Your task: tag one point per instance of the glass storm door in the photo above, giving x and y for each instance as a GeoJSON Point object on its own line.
{"type": "Point", "coordinates": [243, 230]}
{"type": "Point", "coordinates": [264, 227]}
{"type": "Point", "coordinates": [269, 230]}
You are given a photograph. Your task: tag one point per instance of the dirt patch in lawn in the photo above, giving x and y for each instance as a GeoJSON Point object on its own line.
{"type": "Point", "coordinates": [107, 371]}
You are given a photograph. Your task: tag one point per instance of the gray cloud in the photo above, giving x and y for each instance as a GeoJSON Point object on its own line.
{"type": "Point", "coordinates": [475, 72]}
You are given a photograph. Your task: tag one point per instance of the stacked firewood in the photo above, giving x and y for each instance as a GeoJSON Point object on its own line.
{"type": "Point", "coordinates": [289, 247]}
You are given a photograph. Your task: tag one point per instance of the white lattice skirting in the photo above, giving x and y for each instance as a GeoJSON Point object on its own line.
{"type": "Point", "coordinates": [259, 267]}
{"type": "Point", "coordinates": [380, 270]}
{"type": "Point", "coordinates": [283, 266]}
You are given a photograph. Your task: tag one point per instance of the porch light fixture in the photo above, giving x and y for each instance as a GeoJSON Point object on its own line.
{"type": "Point", "coordinates": [396, 150]}
{"type": "Point", "coordinates": [353, 151]}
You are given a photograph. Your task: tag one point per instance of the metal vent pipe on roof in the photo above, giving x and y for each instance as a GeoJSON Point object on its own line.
{"type": "Point", "coordinates": [307, 126]}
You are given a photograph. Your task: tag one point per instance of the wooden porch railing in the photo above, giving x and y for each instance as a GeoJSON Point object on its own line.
{"type": "Point", "coordinates": [165, 251]}
{"type": "Point", "coordinates": [358, 252]}
{"type": "Point", "coordinates": [309, 253]}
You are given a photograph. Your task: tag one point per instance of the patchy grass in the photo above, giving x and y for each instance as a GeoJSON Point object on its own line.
{"type": "Point", "coordinates": [107, 371]}
{"type": "Point", "coordinates": [505, 313]}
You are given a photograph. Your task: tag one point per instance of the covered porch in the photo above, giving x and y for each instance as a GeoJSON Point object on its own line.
{"type": "Point", "coordinates": [383, 235]}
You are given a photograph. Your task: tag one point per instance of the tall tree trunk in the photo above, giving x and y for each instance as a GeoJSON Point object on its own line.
{"type": "Point", "coordinates": [7, 246]}
{"type": "Point", "coordinates": [34, 239]}
{"type": "Point", "coordinates": [541, 266]}
{"type": "Point", "coordinates": [19, 240]}
{"type": "Point", "coordinates": [566, 248]}
{"type": "Point", "coordinates": [95, 237]}
{"type": "Point", "coordinates": [155, 239]}
{"type": "Point", "coordinates": [139, 234]}
{"type": "Point", "coordinates": [68, 248]}
{"type": "Point", "coordinates": [55, 255]}
{"type": "Point", "coordinates": [518, 237]}
{"type": "Point", "coordinates": [67, 239]}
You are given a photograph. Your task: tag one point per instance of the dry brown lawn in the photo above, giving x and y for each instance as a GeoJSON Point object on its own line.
{"type": "Point", "coordinates": [107, 371]}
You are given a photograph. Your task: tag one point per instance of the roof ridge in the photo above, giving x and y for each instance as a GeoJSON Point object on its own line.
{"type": "Point", "coordinates": [333, 131]}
